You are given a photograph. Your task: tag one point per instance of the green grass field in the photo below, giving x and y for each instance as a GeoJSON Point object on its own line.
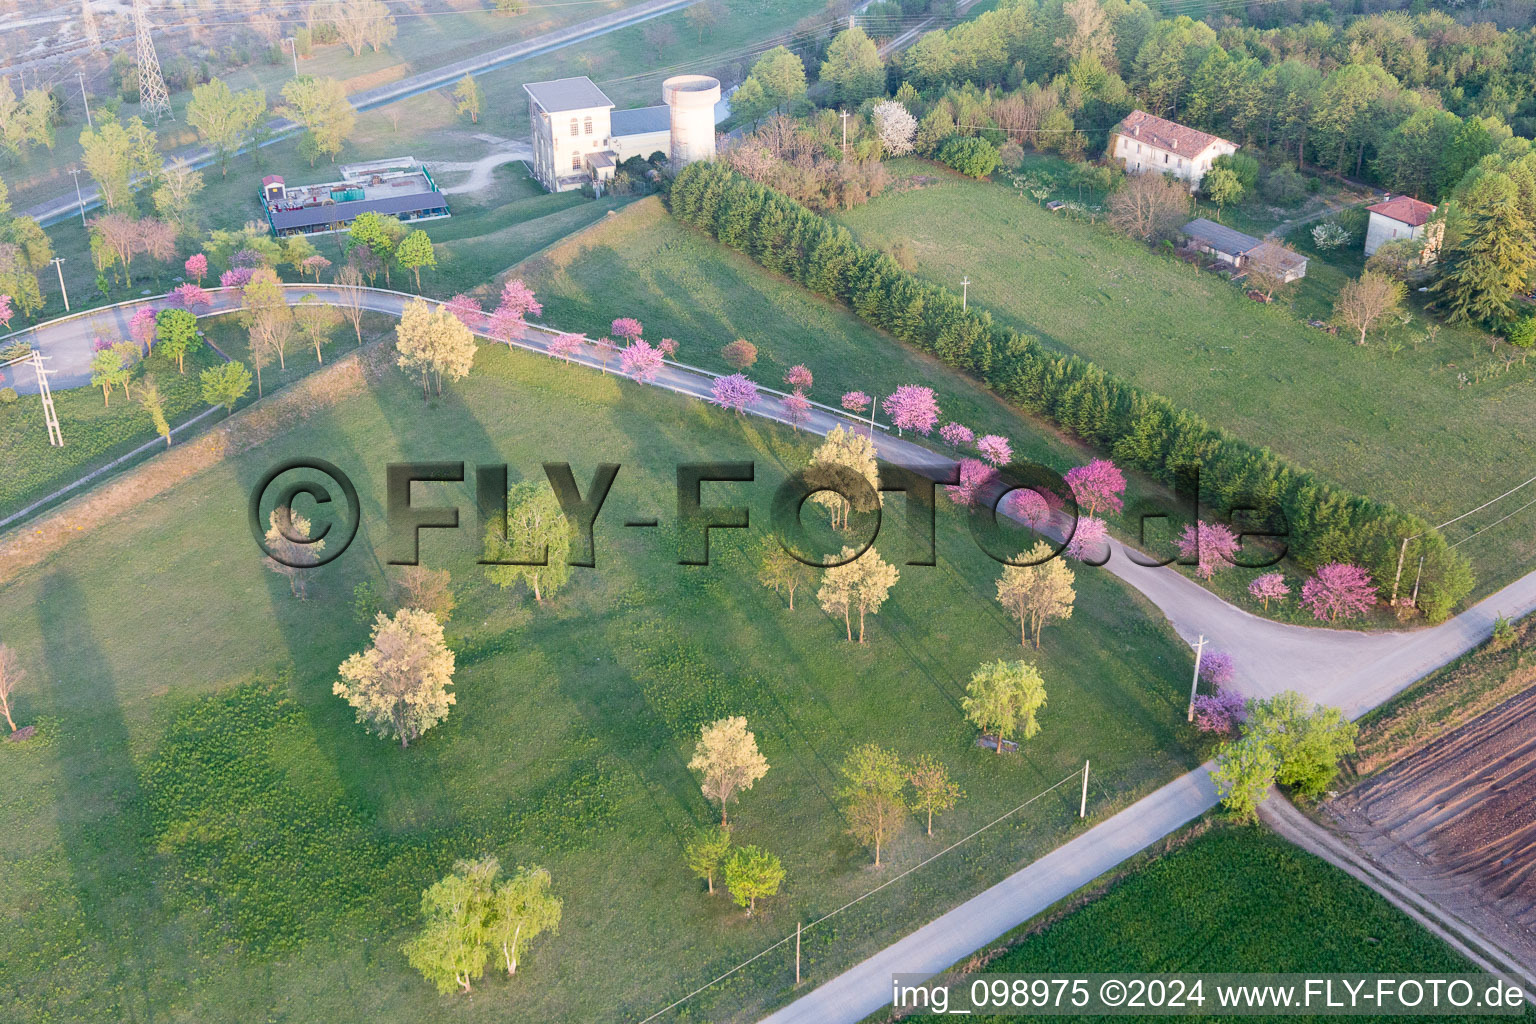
{"type": "Point", "coordinates": [1234, 899]}
{"type": "Point", "coordinates": [185, 845]}
{"type": "Point", "coordinates": [1395, 426]}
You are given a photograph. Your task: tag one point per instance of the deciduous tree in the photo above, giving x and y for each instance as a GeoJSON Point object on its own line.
{"type": "Point", "coordinates": [780, 571]}
{"type": "Point", "coordinates": [872, 796]}
{"type": "Point", "coordinates": [399, 685]}
{"type": "Point", "coordinates": [321, 108]}
{"type": "Point", "coordinates": [727, 761]}
{"type": "Point", "coordinates": [752, 874]}
{"type": "Point", "coordinates": [536, 544]}
{"type": "Point", "coordinates": [1004, 698]}
{"type": "Point", "coordinates": [224, 118]}
{"type": "Point", "coordinates": [415, 252]}
{"type": "Point", "coordinates": [11, 676]}
{"type": "Point", "coordinates": [452, 950]}
{"type": "Point", "coordinates": [851, 451]}
{"type": "Point", "coordinates": [1338, 588]}
{"type": "Point", "coordinates": [1149, 207]}
{"type": "Point", "coordinates": [1245, 769]}
{"type": "Point", "coordinates": [1037, 593]}
{"type": "Point", "coordinates": [861, 585]}
{"type": "Point", "coordinates": [416, 586]}
{"type": "Point", "coordinates": [933, 791]}
{"type": "Point", "coordinates": [291, 553]}
{"type": "Point", "coordinates": [467, 98]}
{"type": "Point", "coordinates": [225, 384]}
{"type": "Point", "coordinates": [316, 319]}
{"type": "Point", "coordinates": [434, 343]}
{"type": "Point", "coordinates": [1364, 302]}
{"type": "Point", "coordinates": [521, 909]}
{"type": "Point", "coordinates": [707, 852]}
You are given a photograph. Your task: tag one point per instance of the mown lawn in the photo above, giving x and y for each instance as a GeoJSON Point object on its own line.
{"type": "Point", "coordinates": [185, 846]}
{"type": "Point", "coordinates": [1393, 422]}
{"type": "Point", "coordinates": [1232, 900]}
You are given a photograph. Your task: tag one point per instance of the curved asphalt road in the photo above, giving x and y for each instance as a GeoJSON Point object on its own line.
{"type": "Point", "coordinates": [1352, 670]}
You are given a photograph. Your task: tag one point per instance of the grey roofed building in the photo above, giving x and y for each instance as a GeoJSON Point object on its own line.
{"type": "Point", "coordinates": [641, 120]}
{"type": "Point", "coordinates": [418, 206]}
{"type": "Point", "coordinates": [567, 94]}
{"type": "Point", "coordinates": [1219, 238]}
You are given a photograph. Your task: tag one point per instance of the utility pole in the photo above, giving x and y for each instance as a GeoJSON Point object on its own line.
{"type": "Point", "coordinates": [1401, 553]}
{"type": "Point", "coordinates": [1195, 684]}
{"type": "Point", "coordinates": [75, 171]}
{"type": "Point", "coordinates": [1082, 808]}
{"type": "Point", "coordinates": [797, 954]}
{"type": "Point", "coordinates": [845, 135]}
{"type": "Point", "coordinates": [293, 44]}
{"type": "Point", "coordinates": [86, 100]}
{"type": "Point", "coordinates": [965, 293]}
{"type": "Point", "coordinates": [58, 264]}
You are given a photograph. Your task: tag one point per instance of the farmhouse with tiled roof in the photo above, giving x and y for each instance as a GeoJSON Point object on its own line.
{"type": "Point", "coordinates": [1401, 217]}
{"type": "Point", "coordinates": [1148, 143]}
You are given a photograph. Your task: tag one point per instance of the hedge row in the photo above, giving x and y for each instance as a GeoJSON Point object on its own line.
{"type": "Point", "coordinates": [1138, 429]}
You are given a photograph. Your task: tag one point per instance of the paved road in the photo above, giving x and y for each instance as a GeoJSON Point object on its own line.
{"type": "Point", "coordinates": [64, 206]}
{"type": "Point", "coordinates": [1350, 669]}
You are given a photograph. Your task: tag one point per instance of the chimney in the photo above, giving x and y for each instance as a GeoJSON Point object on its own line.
{"type": "Point", "coordinates": [1136, 130]}
{"type": "Point", "coordinates": [1175, 143]}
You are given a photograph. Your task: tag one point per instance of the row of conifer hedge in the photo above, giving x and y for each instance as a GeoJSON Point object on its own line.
{"type": "Point", "coordinates": [1140, 430]}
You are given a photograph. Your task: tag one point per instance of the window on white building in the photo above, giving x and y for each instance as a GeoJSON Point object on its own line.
{"type": "Point", "coordinates": [573, 127]}
{"type": "Point", "coordinates": [575, 161]}
{"type": "Point", "coordinates": [589, 126]}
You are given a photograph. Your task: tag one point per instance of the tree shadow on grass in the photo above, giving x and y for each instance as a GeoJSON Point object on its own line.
{"type": "Point", "coordinates": [112, 872]}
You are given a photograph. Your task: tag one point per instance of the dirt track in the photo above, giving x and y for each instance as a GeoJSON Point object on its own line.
{"type": "Point", "coordinates": [1457, 822]}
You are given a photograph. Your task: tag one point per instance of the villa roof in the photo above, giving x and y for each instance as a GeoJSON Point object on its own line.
{"type": "Point", "coordinates": [1404, 210]}
{"type": "Point", "coordinates": [1220, 237]}
{"type": "Point", "coordinates": [641, 120]}
{"type": "Point", "coordinates": [1165, 134]}
{"type": "Point", "coordinates": [563, 94]}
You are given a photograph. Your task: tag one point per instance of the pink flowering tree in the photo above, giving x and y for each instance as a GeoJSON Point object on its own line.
{"type": "Point", "coordinates": [315, 264]}
{"type": "Point", "coordinates": [641, 361]}
{"type": "Point", "coordinates": [606, 347]}
{"type": "Point", "coordinates": [956, 435]}
{"type": "Point", "coordinates": [141, 326]}
{"type": "Point", "coordinates": [196, 267]}
{"type": "Point", "coordinates": [1089, 539]}
{"type": "Point", "coordinates": [1216, 668]}
{"type": "Point", "coordinates": [912, 407]}
{"type": "Point", "coordinates": [466, 309]}
{"type": "Point", "coordinates": [6, 312]}
{"type": "Point", "coordinates": [1097, 486]}
{"type": "Point", "coordinates": [236, 277]}
{"type": "Point", "coordinates": [1032, 508]}
{"type": "Point", "coordinates": [248, 259]}
{"type": "Point", "coordinates": [796, 408]}
{"type": "Point", "coordinates": [974, 475]}
{"type": "Point", "coordinates": [735, 392]}
{"type": "Point", "coordinates": [504, 323]}
{"type": "Point", "coordinates": [1269, 587]}
{"type": "Point", "coordinates": [667, 347]}
{"type": "Point", "coordinates": [995, 449]}
{"type": "Point", "coordinates": [798, 378]}
{"type": "Point", "coordinates": [1220, 712]}
{"type": "Point", "coordinates": [626, 327]}
{"type": "Point", "coordinates": [563, 346]}
{"type": "Point", "coordinates": [190, 296]}
{"type": "Point", "coordinates": [1338, 589]}
{"type": "Point", "coordinates": [1211, 546]}
{"type": "Point", "coordinates": [519, 299]}
{"type": "Point", "coordinates": [856, 401]}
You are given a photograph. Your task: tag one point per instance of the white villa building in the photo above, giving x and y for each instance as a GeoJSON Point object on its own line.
{"type": "Point", "coordinates": [1403, 217]}
{"type": "Point", "coordinates": [1147, 143]}
{"type": "Point", "coordinates": [579, 138]}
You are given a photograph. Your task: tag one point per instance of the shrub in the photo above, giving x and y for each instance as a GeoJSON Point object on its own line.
{"type": "Point", "coordinates": [1522, 332]}
{"type": "Point", "coordinates": [7, 396]}
{"type": "Point", "coordinates": [975, 158]}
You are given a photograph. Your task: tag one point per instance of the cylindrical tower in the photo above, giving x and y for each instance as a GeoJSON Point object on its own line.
{"type": "Point", "coordinates": [692, 100]}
